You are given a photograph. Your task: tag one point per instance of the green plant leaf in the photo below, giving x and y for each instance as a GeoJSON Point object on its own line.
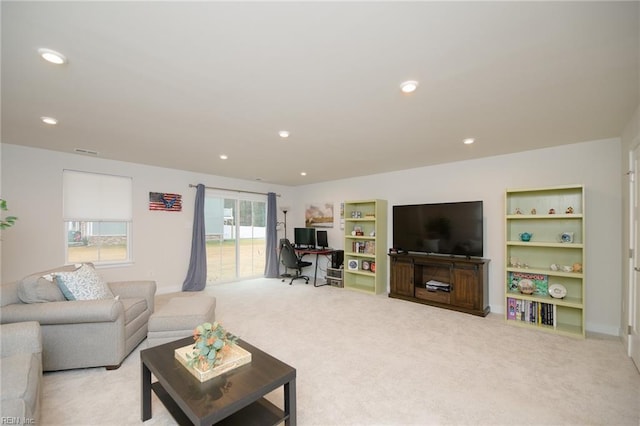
{"type": "Point", "coordinates": [9, 221]}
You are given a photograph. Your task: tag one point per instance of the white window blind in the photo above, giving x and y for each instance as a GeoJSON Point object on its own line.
{"type": "Point", "coordinates": [93, 196]}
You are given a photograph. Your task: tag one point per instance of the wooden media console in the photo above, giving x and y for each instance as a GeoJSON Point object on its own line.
{"type": "Point", "coordinates": [467, 280]}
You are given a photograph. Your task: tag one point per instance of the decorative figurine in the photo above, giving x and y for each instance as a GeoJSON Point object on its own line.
{"type": "Point", "coordinates": [518, 211]}
{"type": "Point", "coordinates": [569, 210]}
{"type": "Point", "coordinates": [533, 211]}
{"type": "Point", "coordinates": [526, 236]}
{"type": "Point", "coordinates": [552, 211]}
{"type": "Point", "coordinates": [577, 267]}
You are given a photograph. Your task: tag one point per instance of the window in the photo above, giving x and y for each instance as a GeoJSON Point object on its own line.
{"type": "Point", "coordinates": [235, 235]}
{"type": "Point", "coordinates": [97, 217]}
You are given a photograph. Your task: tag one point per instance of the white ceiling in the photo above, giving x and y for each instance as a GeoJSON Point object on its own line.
{"type": "Point", "coordinates": [176, 84]}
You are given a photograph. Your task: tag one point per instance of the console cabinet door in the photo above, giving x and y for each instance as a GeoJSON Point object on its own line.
{"type": "Point", "coordinates": [466, 288]}
{"type": "Point", "coordinates": [401, 278]}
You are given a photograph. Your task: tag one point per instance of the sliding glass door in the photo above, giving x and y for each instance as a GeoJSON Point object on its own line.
{"type": "Point", "coordinates": [235, 234]}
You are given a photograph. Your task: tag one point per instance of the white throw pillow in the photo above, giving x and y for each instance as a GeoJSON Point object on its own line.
{"type": "Point", "coordinates": [83, 284]}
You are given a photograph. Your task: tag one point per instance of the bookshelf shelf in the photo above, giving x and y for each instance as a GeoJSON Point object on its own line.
{"type": "Point", "coordinates": [546, 244]}
{"type": "Point", "coordinates": [547, 271]}
{"type": "Point", "coordinates": [363, 255]}
{"type": "Point", "coordinates": [542, 260]}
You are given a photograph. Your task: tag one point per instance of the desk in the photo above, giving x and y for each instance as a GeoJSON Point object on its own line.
{"type": "Point", "coordinates": [302, 252]}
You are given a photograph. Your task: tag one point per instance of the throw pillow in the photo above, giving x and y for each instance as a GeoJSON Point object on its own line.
{"type": "Point", "coordinates": [82, 284]}
{"type": "Point", "coordinates": [37, 288]}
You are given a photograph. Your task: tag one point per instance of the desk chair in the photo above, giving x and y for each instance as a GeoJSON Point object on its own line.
{"type": "Point", "coordinates": [291, 260]}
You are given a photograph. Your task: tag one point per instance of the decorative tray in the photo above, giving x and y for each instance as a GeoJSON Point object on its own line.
{"type": "Point", "coordinates": [234, 358]}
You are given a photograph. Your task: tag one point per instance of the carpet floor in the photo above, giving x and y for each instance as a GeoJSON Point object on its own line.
{"type": "Point", "coordinates": [372, 360]}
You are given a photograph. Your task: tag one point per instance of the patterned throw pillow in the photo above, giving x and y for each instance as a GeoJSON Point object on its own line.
{"type": "Point", "coordinates": [83, 284]}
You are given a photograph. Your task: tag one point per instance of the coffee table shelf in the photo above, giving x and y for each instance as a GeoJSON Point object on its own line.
{"type": "Point", "coordinates": [260, 413]}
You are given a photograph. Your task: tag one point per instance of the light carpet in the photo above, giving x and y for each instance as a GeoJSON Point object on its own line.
{"type": "Point", "coordinates": [372, 360]}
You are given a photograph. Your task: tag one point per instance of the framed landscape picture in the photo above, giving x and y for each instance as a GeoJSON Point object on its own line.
{"type": "Point", "coordinates": [319, 215]}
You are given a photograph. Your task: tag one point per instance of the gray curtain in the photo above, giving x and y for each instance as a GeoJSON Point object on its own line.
{"type": "Point", "coordinates": [197, 273]}
{"type": "Point", "coordinates": [271, 269]}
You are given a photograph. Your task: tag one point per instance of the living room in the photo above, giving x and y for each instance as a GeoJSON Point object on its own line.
{"type": "Point", "coordinates": [32, 185]}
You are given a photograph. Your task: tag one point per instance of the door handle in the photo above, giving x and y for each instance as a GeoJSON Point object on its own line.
{"type": "Point", "coordinates": [636, 268]}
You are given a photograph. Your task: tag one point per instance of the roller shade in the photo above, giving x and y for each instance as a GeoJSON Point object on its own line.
{"type": "Point", "coordinates": [93, 197]}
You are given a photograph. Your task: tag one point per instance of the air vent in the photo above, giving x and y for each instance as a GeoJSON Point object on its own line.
{"type": "Point", "coordinates": [86, 151]}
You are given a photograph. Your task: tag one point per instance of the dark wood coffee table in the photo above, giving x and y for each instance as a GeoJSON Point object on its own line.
{"type": "Point", "coordinates": [235, 397]}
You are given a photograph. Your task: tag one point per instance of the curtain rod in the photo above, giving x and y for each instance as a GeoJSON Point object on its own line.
{"type": "Point", "coordinates": [232, 190]}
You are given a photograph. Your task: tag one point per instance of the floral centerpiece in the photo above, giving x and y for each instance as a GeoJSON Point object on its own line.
{"type": "Point", "coordinates": [212, 341]}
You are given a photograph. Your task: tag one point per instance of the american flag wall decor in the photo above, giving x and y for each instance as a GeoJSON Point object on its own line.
{"type": "Point", "coordinates": [165, 201]}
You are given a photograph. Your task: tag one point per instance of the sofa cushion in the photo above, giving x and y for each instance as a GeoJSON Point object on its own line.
{"type": "Point", "coordinates": [37, 289]}
{"type": "Point", "coordinates": [133, 307]}
{"type": "Point", "coordinates": [82, 284]}
{"type": "Point", "coordinates": [20, 380]}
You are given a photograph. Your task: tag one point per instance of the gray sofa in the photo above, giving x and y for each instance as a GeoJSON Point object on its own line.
{"type": "Point", "coordinates": [81, 333]}
{"type": "Point", "coordinates": [21, 367]}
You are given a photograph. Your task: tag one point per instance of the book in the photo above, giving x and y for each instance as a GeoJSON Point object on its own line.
{"type": "Point", "coordinates": [511, 308]}
{"type": "Point", "coordinates": [358, 246]}
{"type": "Point", "coordinates": [541, 281]}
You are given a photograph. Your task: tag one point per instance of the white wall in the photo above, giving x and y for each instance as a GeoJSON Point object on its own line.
{"type": "Point", "coordinates": [31, 181]}
{"type": "Point", "coordinates": [594, 164]}
{"type": "Point", "coordinates": [161, 241]}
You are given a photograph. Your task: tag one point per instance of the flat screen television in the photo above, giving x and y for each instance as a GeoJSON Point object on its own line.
{"type": "Point", "coordinates": [304, 237]}
{"type": "Point", "coordinates": [454, 229]}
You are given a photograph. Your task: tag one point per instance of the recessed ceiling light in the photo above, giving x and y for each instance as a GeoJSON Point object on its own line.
{"type": "Point", "coordinates": [283, 134]}
{"type": "Point", "coordinates": [469, 141]}
{"type": "Point", "coordinates": [303, 173]}
{"type": "Point", "coordinates": [409, 86]}
{"type": "Point", "coordinates": [223, 157]}
{"type": "Point", "coordinates": [49, 120]}
{"type": "Point", "coordinates": [52, 56]}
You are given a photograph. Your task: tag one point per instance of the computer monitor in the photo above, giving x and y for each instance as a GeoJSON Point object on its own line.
{"type": "Point", "coordinates": [323, 241]}
{"type": "Point", "coordinates": [304, 237]}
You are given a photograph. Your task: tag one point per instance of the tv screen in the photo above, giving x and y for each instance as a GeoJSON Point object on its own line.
{"type": "Point", "coordinates": [440, 228]}
{"type": "Point", "coordinates": [304, 237]}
